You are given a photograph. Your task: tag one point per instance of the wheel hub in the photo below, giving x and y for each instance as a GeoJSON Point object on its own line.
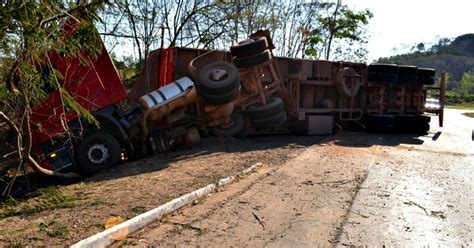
{"type": "Point", "coordinates": [228, 125]}
{"type": "Point", "coordinates": [218, 74]}
{"type": "Point", "coordinates": [97, 153]}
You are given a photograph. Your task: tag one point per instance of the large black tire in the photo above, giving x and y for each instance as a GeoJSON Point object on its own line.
{"type": "Point", "coordinates": [383, 77]}
{"type": "Point", "coordinates": [97, 151]}
{"type": "Point", "coordinates": [235, 128]}
{"type": "Point", "coordinates": [412, 124]}
{"type": "Point", "coordinates": [426, 72]}
{"type": "Point", "coordinates": [375, 77]}
{"type": "Point", "coordinates": [423, 124]}
{"type": "Point", "coordinates": [249, 47]}
{"type": "Point", "coordinates": [389, 77]}
{"type": "Point", "coordinates": [405, 123]}
{"type": "Point", "coordinates": [407, 74]}
{"type": "Point", "coordinates": [383, 73]}
{"type": "Point", "coordinates": [408, 70]}
{"type": "Point", "coordinates": [253, 60]}
{"type": "Point", "coordinates": [383, 68]}
{"type": "Point", "coordinates": [379, 123]}
{"type": "Point", "coordinates": [216, 99]}
{"type": "Point", "coordinates": [227, 82]}
{"type": "Point", "coordinates": [407, 79]}
{"type": "Point", "coordinates": [269, 122]}
{"type": "Point", "coordinates": [426, 80]}
{"type": "Point", "coordinates": [273, 107]}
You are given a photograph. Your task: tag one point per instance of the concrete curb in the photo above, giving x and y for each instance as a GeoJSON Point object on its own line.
{"type": "Point", "coordinates": [122, 230]}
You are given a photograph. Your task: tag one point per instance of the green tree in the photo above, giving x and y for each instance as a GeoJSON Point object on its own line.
{"type": "Point", "coordinates": [466, 85]}
{"type": "Point", "coordinates": [29, 32]}
{"type": "Point", "coordinates": [340, 24]}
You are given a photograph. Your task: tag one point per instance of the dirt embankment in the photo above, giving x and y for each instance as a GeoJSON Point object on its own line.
{"type": "Point", "coordinates": [62, 215]}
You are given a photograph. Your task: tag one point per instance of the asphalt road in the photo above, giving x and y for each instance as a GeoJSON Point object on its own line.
{"type": "Point", "coordinates": [351, 189]}
{"type": "Point", "coordinates": [421, 194]}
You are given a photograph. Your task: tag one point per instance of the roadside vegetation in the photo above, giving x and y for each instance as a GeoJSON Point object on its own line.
{"type": "Point", "coordinates": [454, 56]}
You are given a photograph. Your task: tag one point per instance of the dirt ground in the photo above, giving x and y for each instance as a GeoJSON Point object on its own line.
{"type": "Point", "coordinates": [63, 215]}
{"type": "Point", "coordinates": [300, 204]}
{"type": "Point", "coordinates": [340, 190]}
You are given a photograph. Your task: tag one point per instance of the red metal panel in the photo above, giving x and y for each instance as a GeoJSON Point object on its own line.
{"type": "Point", "coordinates": [94, 85]}
{"type": "Point", "coordinates": [166, 67]}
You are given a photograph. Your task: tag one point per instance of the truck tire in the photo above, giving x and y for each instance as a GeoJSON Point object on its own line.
{"type": "Point", "coordinates": [218, 78]}
{"type": "Point", "coordinates": [423, 124]}
{"type": "Point", "coordinates": [383, 77]}
{"type": "Point", "coordinates": [383, 68]}
{"type": "Point", "coordinates": [389, 77]}
{"type": "Point", "coordinates": [96, 152]}
{"type": "Point", "coordinates": [375, 77]}
{"type": "Point", "coordinates": [249, 47]}
{"type": "Point", "coordinates": [405, 123]}
{"type": "Point", "coordinates": [407, 79]}
{"type": "Point", "coordinates": [426, 72]}
{"type": "Point", "coordinates": [379, 123]}
{"type": "Point", "coordinates": [426, 80]}
{"type": "Point", "coordinates": [407, 74]}
{"type": "Point", "coordinates": [383, 73]}
{"type": "Point", "coordinates": [236, 126]}
{"type": "Point", "coordinates": [219, 99]}
{"type": "Point", "coordinates": [273, 107]}
{"type": "Point", "coordinates": [253, 60]}
{"type": "Point", "coordinates": [408, 70]}
{"type": "Point", "coordinates": [426, 76]}
{"type": "Point", "coordinates": [269, 122]}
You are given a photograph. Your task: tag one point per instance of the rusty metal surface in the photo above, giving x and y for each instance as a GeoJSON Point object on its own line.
{"type": "Point", "coordinates": [310, 87]}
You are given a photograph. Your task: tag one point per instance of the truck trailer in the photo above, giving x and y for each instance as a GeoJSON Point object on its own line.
{"type": "Point", "coordinates": [182, 93]}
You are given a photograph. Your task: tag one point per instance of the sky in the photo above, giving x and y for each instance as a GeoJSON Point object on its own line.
{"type": "Point", "coordinates": [403, 23]}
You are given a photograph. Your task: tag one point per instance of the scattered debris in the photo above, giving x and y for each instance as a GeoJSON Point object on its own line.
{"type": "Point", "coordinates": [259, 220]}
{"type": "Point", "coordinates": [412, 203]}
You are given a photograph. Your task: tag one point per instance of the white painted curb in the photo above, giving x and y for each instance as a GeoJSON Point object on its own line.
{"type": "Point", "coordinates": [109, 236]}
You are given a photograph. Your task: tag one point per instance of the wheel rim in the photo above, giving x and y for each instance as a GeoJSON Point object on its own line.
{"type": "Point", "coordinates": [97, 153]}
{"type": "Point", "coordinates": [228, 125]}
{"type": "Point", "coordinates": [218, 74]}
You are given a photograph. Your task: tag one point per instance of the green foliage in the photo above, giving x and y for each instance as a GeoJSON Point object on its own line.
{"type": "Point", "coordinates": [453, 56]}
{"type": "Point", "coordinates": [297, 27]}
{"type": "Point", "coordinates": [466, 85]}
{"type": "Point", "coordinates": [30, 33]}
{"type": "Point", "coordinates": [54, 229]}
{"type": "Point", "coordinates": [343, 25]}
{"type": "Point", "coordinates": [43, 199]}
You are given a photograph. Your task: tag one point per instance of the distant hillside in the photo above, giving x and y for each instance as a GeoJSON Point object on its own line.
{"type": "Point", "coordinates": [455, 57]}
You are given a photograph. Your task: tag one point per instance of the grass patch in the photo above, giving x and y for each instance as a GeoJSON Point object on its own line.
{"type": "Point", "coordinates": [43, 199]}
{"type": "Point", "coordinates": [54, 229]}
{"type": "Point", "coordinates": [16, 244]}
{"type": "Point", "coordinates": [469, 114]}
{"type": "Point", "coordinates": [466, 107]}
{"type": "Point", "coordinates": [139, 209]}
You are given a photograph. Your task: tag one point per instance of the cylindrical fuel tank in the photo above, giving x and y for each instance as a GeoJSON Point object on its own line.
{"type": "Point", "coordinates": [166, 93]}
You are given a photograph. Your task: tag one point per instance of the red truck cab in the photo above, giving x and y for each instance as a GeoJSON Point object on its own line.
{"type": "Point", "coordinates": [97, 87]}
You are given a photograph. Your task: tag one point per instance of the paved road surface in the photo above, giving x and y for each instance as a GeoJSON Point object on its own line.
{"type": "Point", "coordinates": [352, 189]}
{"type": "Point", "coordinates": [420, 194]}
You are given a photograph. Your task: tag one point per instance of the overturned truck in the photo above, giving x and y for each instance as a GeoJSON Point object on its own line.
{"type": "Point", "coordinates": [286, 95]}
{"type": "Point", "coordinates": [184, 93]}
